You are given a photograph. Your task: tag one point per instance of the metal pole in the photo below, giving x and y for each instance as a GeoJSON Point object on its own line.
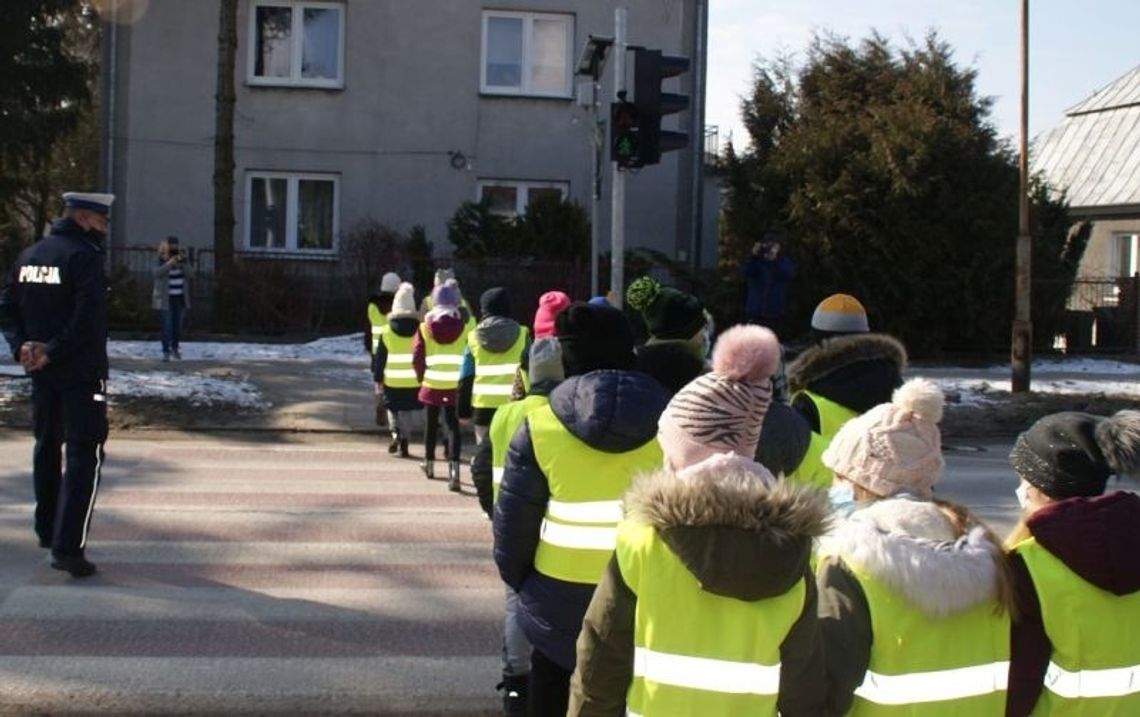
{"type": "Point", "coordinates": [1021, 345]}
{"type": "Point", "coordinates": [617, 218]}
{"type": "Point", "coordinates": [596, 185]}
{"type": "Point", "coordinates": [697, 135]}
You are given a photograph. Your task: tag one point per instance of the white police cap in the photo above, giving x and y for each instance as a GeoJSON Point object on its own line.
{"type": "Point", "coordinates": [100, 203]}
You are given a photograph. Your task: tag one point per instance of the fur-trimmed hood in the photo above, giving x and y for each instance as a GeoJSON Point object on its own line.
{"type": "Point", "coordinates": [910, 546]}
{"type": "Point", "coordinates": [739, 535]}
{"type": "Point", "coordinates": [858, 371]}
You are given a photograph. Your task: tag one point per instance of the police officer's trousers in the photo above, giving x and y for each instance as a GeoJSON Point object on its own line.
{"type": "Point", "coordinates": [75, 416]}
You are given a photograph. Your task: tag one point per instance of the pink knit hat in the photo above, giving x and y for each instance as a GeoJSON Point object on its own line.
{"type": "Point", "coordinates": [722, 411]}
{"type": "Point", "coordinates": [895, 447]}
{"type": "Point", "coordinates": [549, 305]}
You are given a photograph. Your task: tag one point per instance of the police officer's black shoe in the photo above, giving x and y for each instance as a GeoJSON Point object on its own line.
{"type": "Point", "coordinates": [77, 565]}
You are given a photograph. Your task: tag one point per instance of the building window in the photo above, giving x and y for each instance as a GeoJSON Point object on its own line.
{"type": "Point", "coordinates": [510, 198]}
{"type": "Point", "coordinates": [527, 54]}
{"type": "Point", "coordinates": [291, 212]}
{"type": "Point", "coordinates": [296, 43]}
{"type": "Point", "coordinates": [1125, 259]}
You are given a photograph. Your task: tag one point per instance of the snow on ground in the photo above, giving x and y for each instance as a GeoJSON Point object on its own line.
{"type": "Point", "coordinates": [343, 358]}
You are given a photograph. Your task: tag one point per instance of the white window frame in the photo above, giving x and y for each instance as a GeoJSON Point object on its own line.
{"type": "Point", "coordinates": [522, 190]}
{"type": "Point", "coordinates": [292, 193]}
{"type": "Point", "coordinates": [295, 79]}
{"type": "Point", "coordinates": [1133, 239]}
{"type": "Point", "coordinates": [523, 90]}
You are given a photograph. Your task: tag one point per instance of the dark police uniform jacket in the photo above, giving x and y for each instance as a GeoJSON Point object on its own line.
{"type": "Point", "coordinates": [57, 293]}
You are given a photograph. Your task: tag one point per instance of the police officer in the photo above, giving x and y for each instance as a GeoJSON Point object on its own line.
{"type": "Point", "coordinates": [53, 311]}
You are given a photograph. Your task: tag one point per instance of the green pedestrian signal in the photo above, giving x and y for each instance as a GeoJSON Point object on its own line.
{"type": "Point", "coordinates": [625, 127]}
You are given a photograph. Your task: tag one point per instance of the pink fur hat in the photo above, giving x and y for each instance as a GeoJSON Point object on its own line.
{"type": "Point", "coordinates": [722, 411]}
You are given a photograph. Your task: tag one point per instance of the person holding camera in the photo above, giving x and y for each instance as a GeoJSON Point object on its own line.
{"type": "Point", "coordinates": [767, 273]}
{"type": "Point", "coordinates": [170, 295]}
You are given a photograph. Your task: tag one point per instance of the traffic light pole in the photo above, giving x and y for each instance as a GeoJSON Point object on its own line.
{"type": "Point", "coordinates": [617, 215]}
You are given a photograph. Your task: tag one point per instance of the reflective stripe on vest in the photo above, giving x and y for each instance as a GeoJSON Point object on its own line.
{"type": "Point", "coordinates": [696, 652]}
{"type": "Point", "coordinates": [832, 416]}
{"type": "Point", "coordinates": [584, 483]}
{"type": "Point", "coordinates": [952, 665]}
{"type": "Point", "coordinates": [920, 687]}
{"type": "Point", "coordinates": [703, 673]}
{"type": "Point", "coordinates": [506, 422]}
{"type": "Point", "coordinates": [494, 370]}
{"type": "Point", "coordinates": [399, 370]}
{"type": "Point", "coordinates": [1095, 636]}
{"type": "Point", "coordinates": [377, 321]}
{"type": "Point", "coordinates": [441, 361]}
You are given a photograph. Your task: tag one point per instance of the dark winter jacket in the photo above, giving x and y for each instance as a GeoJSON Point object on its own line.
{"type": "Point", "coordinates": [909, 545]}
{"type": "Point", "coordinates": [56, 294]}
{"type": "Point", "coordinates": [396, 399]}
{"type": "Point", "coordinates": [445, 328]}
{"type": "Point", "coordinates": [482, 471]}
{"type": "Point", "coordinates": [611, 411]}
{"type": "Point", "coordinates": [740, 537]}
{"type": "Point", "coordinates": [767, 286]}
{"type": "Point", "coordinates": [1099, 540]}
{"type": "Point", "coordinates": [784, 439]}
{"type": "Point", "coordinates": [858, 371]}
{"type": "Point", "coordinates": [494, 333]}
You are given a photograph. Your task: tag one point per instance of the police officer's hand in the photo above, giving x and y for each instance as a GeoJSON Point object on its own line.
{"type": "Point", "coordinates": [33, 355]}
{"type": "Point", "coordinates": [378, 389]}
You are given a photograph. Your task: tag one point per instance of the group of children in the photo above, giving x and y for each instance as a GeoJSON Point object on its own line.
{"type": "Point", "coordinates": [678, 533]}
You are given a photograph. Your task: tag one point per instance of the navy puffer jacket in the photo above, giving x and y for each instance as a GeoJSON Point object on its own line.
{"type": "Point", "coordinates": [611, 411]}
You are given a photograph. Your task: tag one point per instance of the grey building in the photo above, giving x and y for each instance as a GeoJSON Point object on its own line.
{"type": "Point", "coordinates": [395, 110]}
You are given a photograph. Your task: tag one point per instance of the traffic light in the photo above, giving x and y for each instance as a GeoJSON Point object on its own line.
{"type": "Point", "coordinates": [650, 68]}
{"type": "Point", "coordinates": [625, 136]}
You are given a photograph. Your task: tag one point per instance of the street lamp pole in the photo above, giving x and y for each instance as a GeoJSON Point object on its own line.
{"type": "Point", "coordinates": [1021, 346]}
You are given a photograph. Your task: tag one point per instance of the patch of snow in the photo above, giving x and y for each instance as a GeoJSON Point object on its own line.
{"type": "Point", "coordinates": [196, 388]}
{"type": "Point", "coordinates": [337, 349]}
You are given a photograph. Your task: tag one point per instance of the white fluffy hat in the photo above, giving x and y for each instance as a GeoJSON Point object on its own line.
{"type": "Point", "coordinates": [895, 447]}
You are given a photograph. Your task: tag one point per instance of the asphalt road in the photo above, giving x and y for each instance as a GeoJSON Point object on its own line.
{"type": "Point", "coordinates": [281, 574]}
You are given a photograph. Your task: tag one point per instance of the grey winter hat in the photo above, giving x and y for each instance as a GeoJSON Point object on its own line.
{"type": "Point", "coordinates": [1071, 454]}
{"type": "Point", "coordinates": [546, 361]}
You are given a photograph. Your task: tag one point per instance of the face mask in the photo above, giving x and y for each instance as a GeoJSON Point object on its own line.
{"type": "Point", "coordinates": [1022, 494]}
{"type": "Point", "coordinates": [842, 497]}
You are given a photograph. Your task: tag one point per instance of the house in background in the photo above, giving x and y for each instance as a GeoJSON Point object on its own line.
{"type": "Point", "coordinates": [1093, 155]}
{"type": "Point", "coordinates": [392, 110]}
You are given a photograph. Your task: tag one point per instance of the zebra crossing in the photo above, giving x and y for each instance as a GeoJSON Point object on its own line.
{"type": "Point", "coordinates": [317, 576]}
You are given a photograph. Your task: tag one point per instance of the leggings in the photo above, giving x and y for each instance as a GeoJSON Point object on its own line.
{"type": "Point", "coordinates": [453, 444]}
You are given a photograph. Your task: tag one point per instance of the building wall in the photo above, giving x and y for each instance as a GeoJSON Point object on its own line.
{"type": "Point", "coordinates": [410, 99]}
{"type": "Point", "coordinates": [1098, 259]}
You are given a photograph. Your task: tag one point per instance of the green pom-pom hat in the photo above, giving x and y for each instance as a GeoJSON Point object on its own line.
{"type": "Point", "coordinates": [668, 312]}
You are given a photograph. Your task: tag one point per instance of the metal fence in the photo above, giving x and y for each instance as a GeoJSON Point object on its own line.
{"type": "Point", "coordinates": [1102, 314]}
{"type": "Point", "coordinates": [275, 295]}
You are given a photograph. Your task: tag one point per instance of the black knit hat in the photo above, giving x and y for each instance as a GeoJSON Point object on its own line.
{"type": "Point", "coordinates": [669, 313]}
{"type": "Point", "coordinates": [1072, 454]}
{"type": "Point", "coordinates": [592, 338]}
{"type": "Point", "coordinates": [495, 302]}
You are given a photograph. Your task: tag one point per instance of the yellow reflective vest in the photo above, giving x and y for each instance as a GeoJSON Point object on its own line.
{"type": "Point", "coordinates": [580, 527]}
{"type": "Point", "coordinates": [920, 665]}
{"type": "Point", "coordinates": [1095, 665]}
{"type": "Point", "coordinates": [442, 362]}
{"type": "Point", "coordinates": [399, 370]}
{"type": "Point", "coordinates": [506, 422]}
{"type": "Point", "coordinates": [697, 653]}
{"type": "Point", "coordinates": [494, 371]}
{"type": "Point", "coordinates": [832, 416]}
{"type": "Point", "coordinates": [377, 321]}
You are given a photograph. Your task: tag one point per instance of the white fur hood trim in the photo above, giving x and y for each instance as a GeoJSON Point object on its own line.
{"type": "Point", "coordinates": [901, 543]}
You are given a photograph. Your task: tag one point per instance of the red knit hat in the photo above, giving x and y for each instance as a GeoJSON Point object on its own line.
{"type": "Point", "coordinates": [549, 306]}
